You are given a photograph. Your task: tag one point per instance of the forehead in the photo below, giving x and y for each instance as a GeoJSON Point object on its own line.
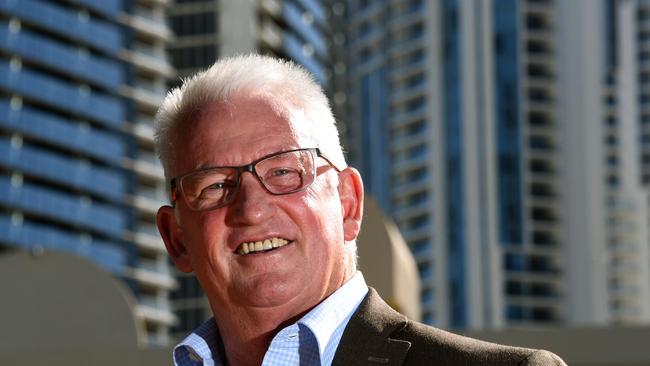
{"type": "Point", "coordinates": [239, 131]}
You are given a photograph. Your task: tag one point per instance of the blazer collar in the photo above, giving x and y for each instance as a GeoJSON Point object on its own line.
{"type": "Point", "coordinates": [367, 339]}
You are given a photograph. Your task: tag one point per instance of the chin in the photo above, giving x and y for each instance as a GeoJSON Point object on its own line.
{"type": "Point", "coordinates": [272, 291]}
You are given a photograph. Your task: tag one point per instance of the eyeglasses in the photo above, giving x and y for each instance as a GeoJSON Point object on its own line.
{"type": "Point", "coordinates": [279, 173]}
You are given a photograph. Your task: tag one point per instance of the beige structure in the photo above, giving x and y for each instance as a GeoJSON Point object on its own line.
{"type": "Point", "coordinates": [59, 309]}
{"type": "Point", "coordinates": [386, 261]}
{"type": "Point", "coordinates": [584, 346]}
{"type": "Point", "coordinates": [56, 301]}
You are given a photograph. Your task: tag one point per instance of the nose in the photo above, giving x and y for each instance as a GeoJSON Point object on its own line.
{"type": "Point", "coordinates": [252, 203]}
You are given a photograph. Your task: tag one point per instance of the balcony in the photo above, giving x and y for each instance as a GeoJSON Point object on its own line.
{"type": "Point", "coordinates": [148, 242]}
{"type": "Point", "coordinates": [401, 119]}
{"type": "Point", "coordinates": [408, 93]}
{"type": "Point", "coordinates": [153, 277]}
{"type": "Point", "coordinates": [149, 61]}
{"type": "Point", "coordinates": [416, 234]}
{"type": "Point", "coordinates": [406, 165]}
{"type": "Point", "coordinates": [406, 213]}
{"type": "Point", "coordinates": [407, 18]}
{"type": "Point", "coordinates": [405, 142]}
{"type": "Point", "coordinates": [102, 108]}
{"type": "Point", "coordinates": [145, 205]}
{"type": "Point", "coordinates": [403, 190]}
{"type": "Point", "coordinates": [406, 46]}
{"type": "Point", "coordinates": [98, 34]}
{"type": "Point", "coordinates": [147, 24]}
{"type": "Point", "coordinates": [147, 98]}
{"type": "Point", "coordinates": [143, 130]}
{"type": "Point", "coordinates": [409, 66]}
{"type": "Point", "coordinates": [153, 310]}
{"type": "Point", "coordinates": [537, 277]}
{"type": "Point", "coordinates": [149, 171]}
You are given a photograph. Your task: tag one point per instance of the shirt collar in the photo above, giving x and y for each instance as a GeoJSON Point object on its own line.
{"type": "Point", "coordinates": [326, 321]}
{"type": "Point", "coordinates": [327, 316]}
{"type": "Point", "coordinates": [201, 347]}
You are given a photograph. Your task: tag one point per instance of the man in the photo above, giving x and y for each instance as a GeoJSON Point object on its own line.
{"type": "Point", "coordinates": [265, 212]}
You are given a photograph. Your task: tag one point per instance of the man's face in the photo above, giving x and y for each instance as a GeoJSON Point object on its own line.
{"type": "Point", "coordinates": [294, 277]}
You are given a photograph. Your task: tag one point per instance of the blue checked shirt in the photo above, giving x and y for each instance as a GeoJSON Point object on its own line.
{"type": "Point", "coordinates": [312, 340]}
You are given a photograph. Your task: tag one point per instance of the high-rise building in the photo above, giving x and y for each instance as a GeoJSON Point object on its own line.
{"type": "Point", "coordinates": [503, 136]}
{"type": "Point", "coordinates": [208, 29]}
{"type": "Point", "coordinates": [79, 85]}
{"type": "Point", "coordinates": [425, 155]}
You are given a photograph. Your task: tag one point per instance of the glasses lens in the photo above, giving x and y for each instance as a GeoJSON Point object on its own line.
{"type": "Point", "coordinates": [287, 172]}
{"type": "Point", "coordinates": [210, 188]}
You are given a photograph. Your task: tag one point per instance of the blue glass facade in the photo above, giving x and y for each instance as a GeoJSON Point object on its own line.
{"type": "Point", "coordinates": [62, 145]}
{"type": "Point", "coordinates": [392, 111]}
{"type": "Point", "coordinates": [305, 40]}
{"type": "Point", "coordinates": [52, 129]}
{"type": "Point", "coordinates": [454, 165]}
{"type": "Point", "coordinates": [103, 34]}
{"type": "Point", "coordinates": [375, 124]}
{"type": "Point", "coordinates": [511, 216]}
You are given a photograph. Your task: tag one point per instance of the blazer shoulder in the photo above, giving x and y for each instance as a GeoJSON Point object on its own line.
{"type": "Point", "coordinates": [377, 333]}
{"type": "Point", "coordinates": [543, 358]}
{"type": "Point", "coordinates": [453, 349]}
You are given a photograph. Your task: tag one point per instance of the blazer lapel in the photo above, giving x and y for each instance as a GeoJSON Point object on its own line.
{"type": "Point", "coordinates": [367, 338]}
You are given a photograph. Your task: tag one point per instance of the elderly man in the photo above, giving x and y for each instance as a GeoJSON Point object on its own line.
{"type": "Point", "coordinates": [265, 212]}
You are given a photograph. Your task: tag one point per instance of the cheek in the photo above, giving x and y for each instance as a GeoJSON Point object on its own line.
{"type": "Point", "coordinates": [203, 234]}
{"type": "Point", "coordinates": [324, 206]}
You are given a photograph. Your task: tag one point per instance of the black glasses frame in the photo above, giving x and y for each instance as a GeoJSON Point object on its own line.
{"type": "Point", "coordinates": [176, 188]}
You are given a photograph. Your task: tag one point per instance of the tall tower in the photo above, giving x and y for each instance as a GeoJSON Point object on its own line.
{"type": "Point", "coordinates": [80, 82]}
{"type": "Point", "coordinates": [208, 29]}
{"type": "Point", "coordinates": [420, 76]}
{"type": "Point", "coordinates": [501, 137]}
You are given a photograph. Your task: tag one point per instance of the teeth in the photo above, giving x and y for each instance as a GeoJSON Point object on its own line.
{"type": "Point", "coordinates": [258, 246]}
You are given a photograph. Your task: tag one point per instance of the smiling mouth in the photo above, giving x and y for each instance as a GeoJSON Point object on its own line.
{"type": "Point", "coordinates": [261, 246]}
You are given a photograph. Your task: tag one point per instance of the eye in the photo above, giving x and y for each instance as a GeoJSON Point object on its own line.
{"type": "Point", "coordinates": [216, 188]}
{"type": "Point", "coordinates": [281, 171]}
{"type": "Point", "coordinates": [219, 185]}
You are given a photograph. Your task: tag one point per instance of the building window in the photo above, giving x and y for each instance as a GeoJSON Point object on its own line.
{"type": "Point", "coordinates": [612, 181]}
{"type": "Point", "coordinates": [514, 288]}
{"type": "Point", "coordinates": [193, 57]}
{"type": "Point", "coordinates": [420, 246]}
{"type": "Point", "coordinates": [514, 312]}
{"type": "Point", "coordinates": [515, 262]}
{"type": "Point", "coordinates": [193, 24]}
{"type": "Point", "coordinates": [424, 269]}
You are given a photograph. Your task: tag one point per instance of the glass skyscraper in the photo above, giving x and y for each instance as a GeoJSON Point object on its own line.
{"type": "Point", "coordinates": [503, 138]}
{"type": "Point", "coordinates": [79, 84]}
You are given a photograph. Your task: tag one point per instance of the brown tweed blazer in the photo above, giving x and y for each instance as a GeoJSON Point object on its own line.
{"type": "Point", "coordinates": [377, 334]}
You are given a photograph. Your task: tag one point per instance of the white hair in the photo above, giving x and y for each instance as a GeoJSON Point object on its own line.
{"type": "Point", "coordinates": [284, 84]}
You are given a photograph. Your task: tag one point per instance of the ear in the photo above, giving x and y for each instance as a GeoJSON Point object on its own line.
{"type": "Point", "coordinates": [172, 235]}
{"type": "Point", "coordinates": [351, 195]}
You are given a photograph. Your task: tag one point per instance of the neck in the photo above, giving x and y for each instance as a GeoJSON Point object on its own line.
{"type": "Point", "coordinates": [247, 335]}
{"type": "Point", "coordinates": [247, 332]}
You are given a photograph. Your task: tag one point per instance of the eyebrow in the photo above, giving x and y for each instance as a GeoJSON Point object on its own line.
{"type": "Point", "coordinates": [201, 167]}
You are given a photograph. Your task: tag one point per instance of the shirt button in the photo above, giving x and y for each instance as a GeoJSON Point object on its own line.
{"type": "Point", "coordinates": [194, 357]}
